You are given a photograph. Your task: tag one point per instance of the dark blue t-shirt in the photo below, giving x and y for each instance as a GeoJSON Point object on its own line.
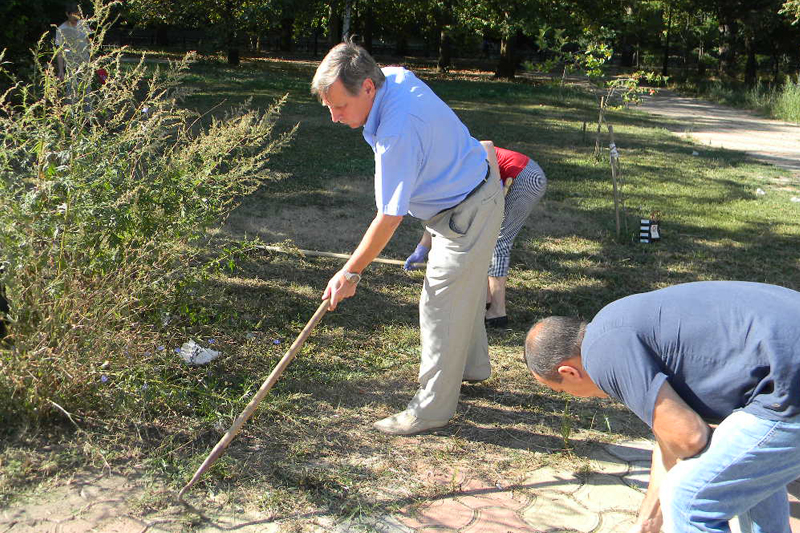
{"type": "Point", "coordinates": [722, 345]}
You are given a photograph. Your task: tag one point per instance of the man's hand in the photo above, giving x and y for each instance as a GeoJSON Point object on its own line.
{"type": "Point", "coordinates": [338, 289]}
{"type": "Point", "coordinates": [419, 256]}
{"type": "Point", "coordinates": [373, 241]}
{"type": "Point", "coordinates": [679, 433]}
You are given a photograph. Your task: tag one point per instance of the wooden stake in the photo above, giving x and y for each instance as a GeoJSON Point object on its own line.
{"type": "Point", "coordinates": [614, 158]}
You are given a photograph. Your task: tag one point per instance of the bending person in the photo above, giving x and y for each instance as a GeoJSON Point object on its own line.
{"type": "Point", "coordinates": [683, 359]}
{"type": "Point", "coordinates": [427, 165]}
{"type": "Point", "coordinates": [525, 184]}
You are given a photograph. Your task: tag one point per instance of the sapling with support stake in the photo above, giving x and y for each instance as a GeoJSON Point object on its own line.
{"type": "Point", "coordinates": [616, 178]}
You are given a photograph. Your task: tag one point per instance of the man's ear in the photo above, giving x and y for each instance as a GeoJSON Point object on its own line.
{"type": "Point", "coordinates": [569, 372]}
{"type": "Point", "coordinates": [368, 86]}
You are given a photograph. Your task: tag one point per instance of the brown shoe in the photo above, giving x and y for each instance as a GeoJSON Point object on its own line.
{"type": "Point", "coordinates": [406, 423]}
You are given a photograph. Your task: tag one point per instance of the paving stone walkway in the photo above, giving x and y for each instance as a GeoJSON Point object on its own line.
{"type": "Point", "coordinates": [602, 499]}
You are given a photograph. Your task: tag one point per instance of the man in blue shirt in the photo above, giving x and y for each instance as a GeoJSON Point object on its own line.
{"type": "Point", "coordinates": [684, 359]}
{"type": "Point", "coordinates": [428, 166]}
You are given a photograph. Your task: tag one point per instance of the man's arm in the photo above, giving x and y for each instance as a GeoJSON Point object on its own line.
{"type": "Point", "coordinates": [372, 243]}
{"type": "Point", "coordinates": [680, 433]}
{"type": "Point", "coordinates": [649, 519]}
{"type": "Point", "coordinates": [679, 429]}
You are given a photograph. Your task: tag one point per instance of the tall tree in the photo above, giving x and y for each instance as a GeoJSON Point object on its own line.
{"type": "Point", "coordinates": [506, 20]}
{"type": "Point", "coordinates": [226, 18]}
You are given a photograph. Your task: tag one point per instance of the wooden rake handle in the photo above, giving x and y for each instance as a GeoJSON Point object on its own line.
{"type": "Point", "coordinates": [262, 391]}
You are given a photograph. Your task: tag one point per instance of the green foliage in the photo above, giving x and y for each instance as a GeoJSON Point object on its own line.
{"type": "Point", "coordinates": [105, 191]}
{"type": "Point", "coordinates": [787, 105]}
{"type": "Point", "coordinates": [592, 61]}
{"type": "Point", "coordinates": [791, 8]}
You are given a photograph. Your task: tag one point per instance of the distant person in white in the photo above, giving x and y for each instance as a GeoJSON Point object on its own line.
{"type": "Point", "coordinates": [72, 45]}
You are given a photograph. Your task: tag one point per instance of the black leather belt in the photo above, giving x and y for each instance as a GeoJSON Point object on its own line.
{"type": "Point", "coordinates": [480, 183]}
{"type": "Point", "coordinates": [473, 191]}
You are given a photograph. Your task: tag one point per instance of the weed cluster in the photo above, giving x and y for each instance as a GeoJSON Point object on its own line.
{"type": "Point", "coordinates": [780, 101]}
{"type": "Point", "coordinates": [106, 190]}
{"type": "Point", "coordinates": [787, 104]}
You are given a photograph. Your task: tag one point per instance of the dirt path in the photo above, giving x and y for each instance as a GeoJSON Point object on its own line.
{"type": "Point", "coordinates": [714, 125]}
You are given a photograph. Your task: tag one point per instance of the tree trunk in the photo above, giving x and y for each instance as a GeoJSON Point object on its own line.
{"type": "Point", "coordinates": [334, 27]}
{"type": "Point", "coordinates": [444, 17]}
{"type": "Point", "coordinates": [233, 56]}
{"type": "Point", "coordinates": [627, 53]}
{"type": "Point", "coordinates": [665, 67]}
{"type": "Point", "coordinates": [287, 28]}
{"type": "Point", "coordinates": [507, 65]}
{"type": "Point", "coordinates": [401, 46]}
{"type": "Point", "coordinates": [368, 22]}
{"type": "Point", "coordinates": [727, 47]}
{"type": "Point", "coordinates": [347, 18]}
{"type": "Point", "coordinates": [751, 68]}
{"type": "Point", "coordinates": [444, 50]}
{"type": "Point", "coordinates": [776, 66]}
{"type": "Point", "coordinates": [162, 36]}
{"type": "Point", "coordinates": [701, 60]}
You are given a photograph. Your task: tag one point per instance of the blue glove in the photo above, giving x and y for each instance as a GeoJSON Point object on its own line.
{"type": "Point", "coordinates": [419, 256]}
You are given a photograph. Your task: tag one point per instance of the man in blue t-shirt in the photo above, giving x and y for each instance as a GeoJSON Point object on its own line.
{"type": "Point", "coordinates": [684, 359]}
{"type": "Point", "coordinates": [427, 165]}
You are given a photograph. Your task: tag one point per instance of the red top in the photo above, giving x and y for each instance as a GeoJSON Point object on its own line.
{"type": "Point", "coordinates": [511, 163]}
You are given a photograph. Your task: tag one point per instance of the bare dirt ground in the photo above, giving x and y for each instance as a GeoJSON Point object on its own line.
{"type": "Point", "coordinates": [717, 126]}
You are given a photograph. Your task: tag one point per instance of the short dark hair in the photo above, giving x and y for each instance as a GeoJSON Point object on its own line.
{"type": "Point", "coordinates": [349, 63]}
{"type": "Point", "coordinates": [552, 341]}
{"type": "Point", "coordinates": [71, 7]}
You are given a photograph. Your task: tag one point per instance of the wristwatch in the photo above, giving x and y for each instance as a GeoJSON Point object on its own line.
{"type": "Point", "coordinates": [352, 277]}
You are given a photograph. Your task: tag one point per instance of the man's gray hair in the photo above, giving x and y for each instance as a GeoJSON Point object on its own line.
{"type": "Point", "coordinates": [550, 342]}
{"type": "Point", "coordinates": [350, 63]}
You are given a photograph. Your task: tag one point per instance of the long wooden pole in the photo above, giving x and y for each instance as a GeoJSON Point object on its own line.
{"type": "Point", "coordinates": [332, 254]}
{"type": "Point", "coordinates": [262, 391]}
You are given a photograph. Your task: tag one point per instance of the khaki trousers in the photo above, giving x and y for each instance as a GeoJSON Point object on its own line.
{"type": "Point", "coordinates": [452, 305]}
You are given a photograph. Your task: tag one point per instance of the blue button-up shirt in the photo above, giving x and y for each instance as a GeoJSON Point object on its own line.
{"type": "Point", "coordinates": [425, 159]}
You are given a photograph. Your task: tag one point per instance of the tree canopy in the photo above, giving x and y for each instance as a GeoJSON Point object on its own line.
{"type": "Point", "coordinates": [750, 40]}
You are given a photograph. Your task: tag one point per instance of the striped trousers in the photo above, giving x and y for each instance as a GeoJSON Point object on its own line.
{"type": "Point", "coordinates": [526, 190]}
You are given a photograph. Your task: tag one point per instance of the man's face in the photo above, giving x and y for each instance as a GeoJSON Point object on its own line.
{"type": "Point", "coordinates": [74, 17]}
{"type": "Point", "coordinates": [349, 109]}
